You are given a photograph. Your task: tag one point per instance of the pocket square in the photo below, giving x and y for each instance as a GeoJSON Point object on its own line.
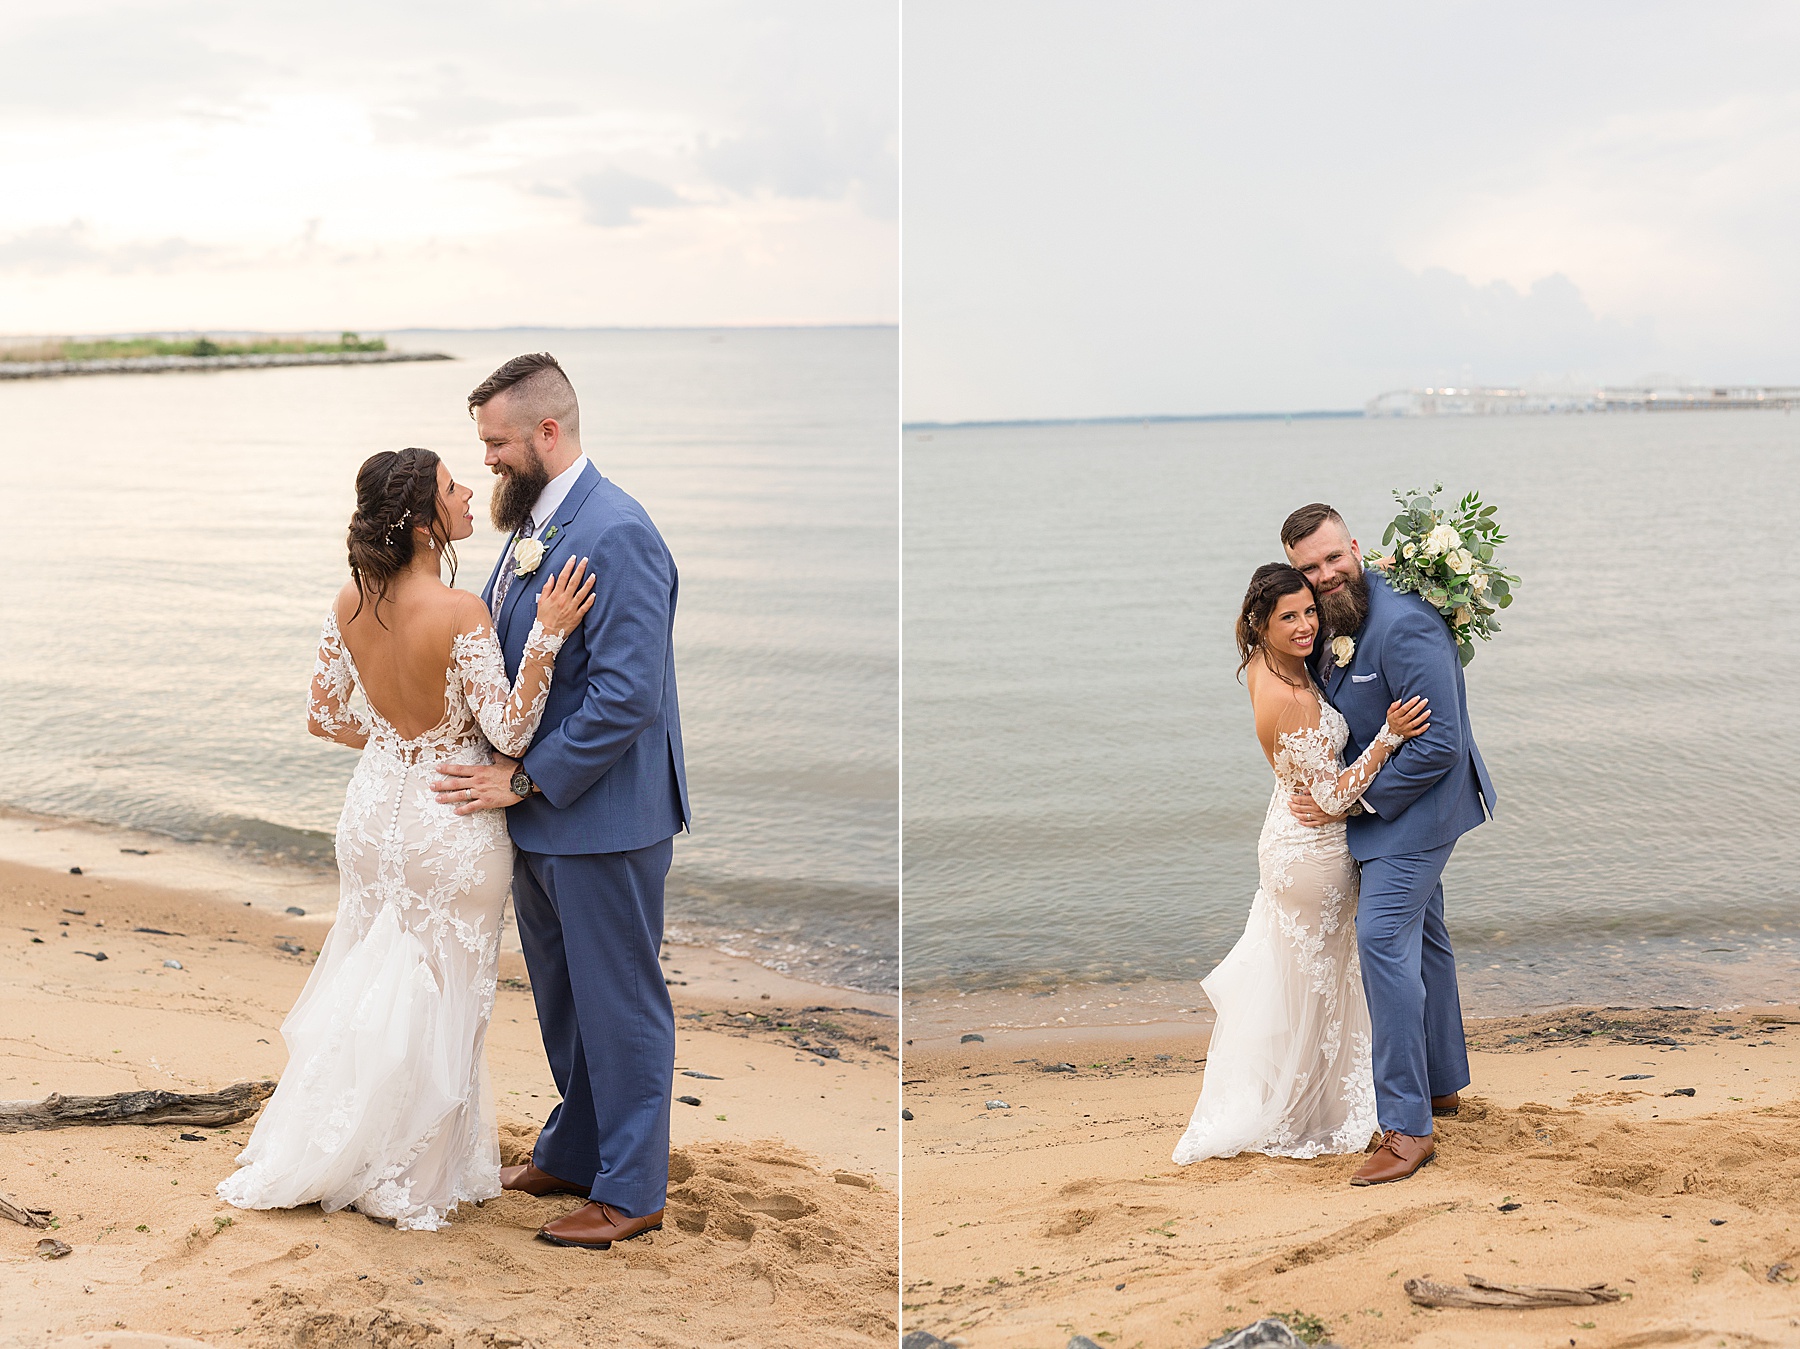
{"type": "Point", "coordinates": [1361, 679]}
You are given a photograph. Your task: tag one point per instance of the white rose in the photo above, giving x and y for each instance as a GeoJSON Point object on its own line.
{"type": "Point", "coordinates": [1408, 551]}
{"type": "Point", "coordinates": [1478, 583]}
{"type": "Point", "coordinates": [1462, 616]}
{"type": "Point", "coordinates": [1459, 561]}
{"type": "Point", "coordinates": [1441, 540]}
{"type": "Point", "coordinates": [1342, 649]}
{"type": "Point", "coordinates": [527, 553]}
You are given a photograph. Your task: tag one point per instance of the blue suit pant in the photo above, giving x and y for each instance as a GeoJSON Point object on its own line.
{"type": "Point", "coordinates": [592, 928]}
{"type": "Point", "coordinates": [1409, 978]}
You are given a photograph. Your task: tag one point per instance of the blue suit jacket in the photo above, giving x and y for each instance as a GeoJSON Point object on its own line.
{"type": "Point", "coordinates": [607, 754]}
{"type": "Point", "coordinates": [1432, 789]}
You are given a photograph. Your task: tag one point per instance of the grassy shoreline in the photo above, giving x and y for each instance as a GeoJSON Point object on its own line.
{"type": "Point", "coordinates": [127, 348]}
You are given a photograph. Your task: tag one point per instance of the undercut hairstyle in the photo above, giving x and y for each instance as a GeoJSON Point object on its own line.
{"type": "Point", "coordinates": [1269, 585]}
{"type": "Point", "coordinates": [538, 388]}
{"type": "Point", "coordinates": [1305, 520]}
{"type": "Point", "coordinates": [396, 492]}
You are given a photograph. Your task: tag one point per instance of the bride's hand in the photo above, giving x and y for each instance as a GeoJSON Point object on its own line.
{"type": "Point", "coordinates": [1410, 718]}
{"type": "Point", "coordinates": [563, 602]}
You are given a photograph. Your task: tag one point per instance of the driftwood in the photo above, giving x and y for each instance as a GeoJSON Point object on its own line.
{"type": "Point", "coordinates": [1485, 1293]}
{"type": "Point", "coordinates": [234, 1103]}
{"type": "Point", "coordinates": [40, 1217]}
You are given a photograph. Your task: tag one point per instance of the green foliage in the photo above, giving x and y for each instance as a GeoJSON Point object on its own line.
{"type": "Point", "coordinates": [1308, 1327]}
{"type": "Point", "coordinates": [127, 348]}
{"type": "Point", "coordinates": [1446, 556]}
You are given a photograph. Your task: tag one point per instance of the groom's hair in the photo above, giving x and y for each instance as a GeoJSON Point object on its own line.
{"type": "Point", "coordinates": [539, 388]}
{"type": "Point", "coordinates": [1304, 521]}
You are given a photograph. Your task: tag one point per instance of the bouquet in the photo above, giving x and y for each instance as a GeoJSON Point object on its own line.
{"type": "Point", "coordinates": [1448, 558]}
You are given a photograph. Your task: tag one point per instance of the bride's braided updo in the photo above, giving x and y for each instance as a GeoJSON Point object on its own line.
{"type": "Point", "coordinates": [1269, 585]}
{"type": "Point", "coordinates": [396, 492]}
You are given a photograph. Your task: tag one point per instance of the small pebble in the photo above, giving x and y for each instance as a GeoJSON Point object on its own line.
{"type": "Point", "coordinates": [73, 871]}
{"type": "Point", "coordinates": [997, 1105]}
{"type": "Point", "coordinates": [978, 1039]}
{"type": "Point", "coordinates": [1118, 1288]}
{"type": "Point", "coordinates": [688, 1100]}
{"type": "Point", "coordinates": [1059, 1068]}
{"type": "Point", "coordinates": [1509, 1208]}
{"type": "Point", "coordinates": [906, 1114]}
{"type": "Point", "coordinates": [298, 913]}
{"type": "Point", "coordinates": [707, 1077]}
{"type": "Point", "coordinates": [191, 1138]}
{"type": "Point", "coordinates": [1716, 1222]}
{"type": "Point", "coordinates": [171, 964]}
{"type": "Point", "coordinates": [1637, 1077]}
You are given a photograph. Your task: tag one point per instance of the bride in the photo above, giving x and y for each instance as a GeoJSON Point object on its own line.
{"type": "Point", "coordinates": [1288, 1071]}
{"type": "Point", "coordinates": [384, 1104]}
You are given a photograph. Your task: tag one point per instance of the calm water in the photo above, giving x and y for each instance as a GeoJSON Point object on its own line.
{"type": "Point", "coordinates": [1083, 788]}
{"type": "Point", "coordinates": [173, 542]}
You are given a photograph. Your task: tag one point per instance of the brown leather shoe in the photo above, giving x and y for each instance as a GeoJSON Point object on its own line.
{"type": "Point", "coordinates": [595, 1226]}
{"type": "Point", "coordinates": [529, 1180]}
{"type": "Point", "coordinates": [1444, 1106]}
{"type": "Point", "coordinates": [1397, 1158]}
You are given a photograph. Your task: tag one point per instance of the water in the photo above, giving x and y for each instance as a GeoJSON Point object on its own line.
{"type": "Point", "coordinates": [1083, 787]}
{"type": "Point", "coordinates": [174, 540]}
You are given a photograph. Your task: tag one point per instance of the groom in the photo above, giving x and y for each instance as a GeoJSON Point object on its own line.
{"type": "Point", "coordinates": [1432, 791]}
{"type": "Point", "coordinates": [593, 807]}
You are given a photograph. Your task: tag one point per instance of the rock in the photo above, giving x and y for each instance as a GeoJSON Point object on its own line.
{"type": "Point", "coordinates": [92, 955]}
{"type": "Point", "coordinates": [973, 1039]}
{"type": "Point", "coordinates": [192, 1138]}
{"type": "Point", "coordinates": [52, 1249]}
{"type": "Point", "coordinates": [906, 1114]}
{"type": "Point", "coordinates": [1637, 1077]}
{"type": "Point", "coordinates": [297, 912]}
{"type": "Point", "coordinates": [688, 1100]}
{"type": "Point", "coordinates": [924, 1339]}
{"type": "Point", "coordinates": [136, 852]}
{"type": "Point", "coordinates": [995, 1105]}
{"type": "Point", "coordinates": [1058, 1068]}
{"type": "Point", "coordinates": [171, 964]}
{"type": "Point", "coordinates": [1081, 1342]}
{"type": "Point", "coordinates": [1716, 1222]}
{"type": "Point", "coordinates": [705, 1077]}
{"type": "Point", "coordinates": [1265, 1334]}
{"type": "Point", "coordinates": [1511, 1208]}
{"type": "Point", "coordinates": [1680, 1091]}
{"type": "Point", "coordinates": [290, 948]}
{"type": "Point", "coordinates": [73, 871]}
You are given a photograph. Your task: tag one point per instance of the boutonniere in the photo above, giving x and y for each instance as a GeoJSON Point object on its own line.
{"type": "Point", "coordinates": [1343, 650]}
{"type": "Point", "coordinates": [527, 553]}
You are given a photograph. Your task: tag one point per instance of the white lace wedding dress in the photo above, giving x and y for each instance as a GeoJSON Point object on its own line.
{"type": "Point", "coordinates": [384, 1104]}
{"type": "Point", "coordinates": [1288, 1071]}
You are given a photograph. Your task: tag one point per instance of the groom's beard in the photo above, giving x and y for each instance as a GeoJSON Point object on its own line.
{"type": "Point", "coordinates": [515, 494]}
{"type": "Point", "coordinates": [1345, 608]}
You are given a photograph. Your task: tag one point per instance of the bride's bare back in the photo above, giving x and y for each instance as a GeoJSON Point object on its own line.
{"type": "Point", "coordinates": [404, 657]}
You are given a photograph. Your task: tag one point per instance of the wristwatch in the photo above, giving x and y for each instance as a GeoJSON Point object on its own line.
{"type": "Point", "coordinates": [521, 784]}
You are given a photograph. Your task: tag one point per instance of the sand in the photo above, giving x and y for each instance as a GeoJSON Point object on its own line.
{"type": "Point", "coordinates": [1064, 1214]}
{"type": "Point", "coordinates": [783, 1212]}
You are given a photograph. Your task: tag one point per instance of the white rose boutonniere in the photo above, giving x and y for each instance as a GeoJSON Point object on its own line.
{"type": "Point", "coordinates": [1343, 649]}
{"type": "Point", "coordinates": [527, 553]}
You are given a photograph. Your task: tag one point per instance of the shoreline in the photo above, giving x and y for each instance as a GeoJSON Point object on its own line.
{"type": "Point", "coordinates": [783, 1204]}
{"type": "Point", "coordinates": [1041, 1010]}
{"type": "Point", "coordinates": [158, 365]}
{"type": "Point", "coordinates": [234, 874]}
{"type": "Point", "coordinates": [1652, 1151]}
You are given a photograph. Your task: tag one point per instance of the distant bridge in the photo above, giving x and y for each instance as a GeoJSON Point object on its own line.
{"type": "Point", "coordinates": [1495, 402]}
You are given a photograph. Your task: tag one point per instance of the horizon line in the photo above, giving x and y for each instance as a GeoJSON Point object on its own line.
{"type": "Point", "coordinates": [501, 328]}
{"type": "Point", "coordinates": [1312, 414]}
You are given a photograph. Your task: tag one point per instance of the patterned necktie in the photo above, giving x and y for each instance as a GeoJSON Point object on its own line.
{"type": "Point", "coordinates": [503, 583]}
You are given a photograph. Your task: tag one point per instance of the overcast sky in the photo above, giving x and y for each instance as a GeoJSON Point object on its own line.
{"type": "Point", "coordinates": [1200, 207]}
{"type": "Point", "coordinates": [388, 163]}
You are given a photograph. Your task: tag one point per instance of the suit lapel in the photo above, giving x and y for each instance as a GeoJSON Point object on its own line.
{"type": "Point", "coordinates": [556, 537]}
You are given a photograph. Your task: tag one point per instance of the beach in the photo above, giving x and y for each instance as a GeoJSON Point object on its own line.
{"type": "Point", "coordinates": [1572, 1162]}
{"type": "Point", "coordinates": [783, 1206]}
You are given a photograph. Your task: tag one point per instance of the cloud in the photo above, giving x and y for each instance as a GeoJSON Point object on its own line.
{"type": "Point", "coordinates": [612, 197]}
{"type": "Point", "coordinates": [51, 249]}
{"type": "Point", "coordinates": [458, 117]}
{"type": "Point", "coordinates": [121, 61]}
{"type": "Point", "coordinates": [816, 155]}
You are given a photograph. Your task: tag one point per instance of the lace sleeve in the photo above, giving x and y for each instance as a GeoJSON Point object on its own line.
{"type": "Point", "coordinates": [508, 715]}
{"type": "Point", "coordinates": [1308, 757]}
{"type": "Point", "coordinates": [330, 715]}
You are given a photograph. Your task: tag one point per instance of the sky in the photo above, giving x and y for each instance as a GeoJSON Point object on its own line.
{"type": "Point", "coordinates": [1204, 207]}
{"type": "Point", "coordinates": [391, 164]}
